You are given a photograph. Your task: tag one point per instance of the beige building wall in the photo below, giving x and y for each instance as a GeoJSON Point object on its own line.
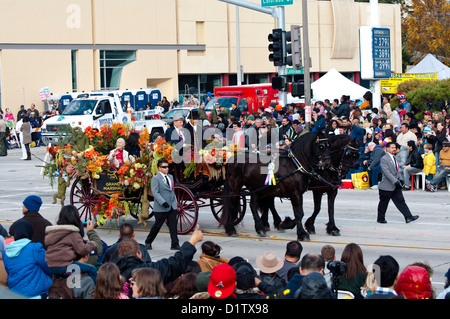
{"type": "Point", "coordinates": [171, 38]}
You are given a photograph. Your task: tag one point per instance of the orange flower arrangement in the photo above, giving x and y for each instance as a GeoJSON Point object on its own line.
{"type": "Point", "coordinates": [110, 209]}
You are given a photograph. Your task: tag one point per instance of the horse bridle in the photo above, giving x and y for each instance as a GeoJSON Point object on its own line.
{"type": "Point", "coordinates": [347, 151]}
{"type": "Point", "coordinates": [302, 169]}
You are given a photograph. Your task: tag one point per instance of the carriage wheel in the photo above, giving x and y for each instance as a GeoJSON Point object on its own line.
{"type": "Point", "coordinates": [187, 210]}
{"type": "Point", "coordinates": [217, 209]}
{"type": "Point", "coordinates": [83, 198]}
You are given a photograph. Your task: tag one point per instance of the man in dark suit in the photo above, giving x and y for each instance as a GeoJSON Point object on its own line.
{"type": "Point", "coordinates": [164, 205]}
{"type": "Point", "coordinates": [390, 186]}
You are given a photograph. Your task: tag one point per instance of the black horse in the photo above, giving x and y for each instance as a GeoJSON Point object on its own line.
{"type": "Point", "coordinates": [344, 152]}
{"type": "Point", "coordinates": [293, 173]}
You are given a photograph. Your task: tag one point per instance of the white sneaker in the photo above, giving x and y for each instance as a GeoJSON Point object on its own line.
{"type": "Point", "coordinates": [374, 187]}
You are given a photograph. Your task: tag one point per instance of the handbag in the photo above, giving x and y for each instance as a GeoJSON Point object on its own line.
{"type": "Point", "coordinates": [360, 180]}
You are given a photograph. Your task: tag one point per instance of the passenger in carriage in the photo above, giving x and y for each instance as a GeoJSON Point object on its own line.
{"type": "Point", "coordinates": [119, 155]}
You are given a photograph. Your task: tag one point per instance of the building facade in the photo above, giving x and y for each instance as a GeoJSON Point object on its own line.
{"type": "Point", "coordinates": [178, 46]}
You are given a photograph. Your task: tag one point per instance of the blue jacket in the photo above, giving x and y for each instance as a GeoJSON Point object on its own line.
{"type": "Point", "coordinates": [28, 273]}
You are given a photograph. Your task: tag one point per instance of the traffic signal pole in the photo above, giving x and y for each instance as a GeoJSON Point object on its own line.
{"type": "Point", "coordinates": [277, 13]}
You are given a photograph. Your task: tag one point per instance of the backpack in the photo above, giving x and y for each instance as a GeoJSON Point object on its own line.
{"type": "Point", "coordinates": [59, 289]}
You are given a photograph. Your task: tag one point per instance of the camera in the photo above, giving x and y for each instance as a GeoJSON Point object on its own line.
{"type": "Point", "coordinates": [337, 268]}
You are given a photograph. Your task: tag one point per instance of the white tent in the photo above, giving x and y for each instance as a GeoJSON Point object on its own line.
{"type": "Point", "coordinates": [430, 64]}
{"type": "Point", "coordinates": [333, 85]}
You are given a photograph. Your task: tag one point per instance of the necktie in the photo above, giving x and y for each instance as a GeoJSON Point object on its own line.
{"type": "Point", "coordinates": [167, 181]}
{"type": "Point", "coordinates": [395, 162]}
{"type": "Point", "coordinates": [181, 135]}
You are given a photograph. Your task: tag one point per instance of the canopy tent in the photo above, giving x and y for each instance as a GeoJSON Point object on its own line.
{"type": "Point", "coordinates": [333, 85]}
{"type": "Point", "coordinates": [430, 64]}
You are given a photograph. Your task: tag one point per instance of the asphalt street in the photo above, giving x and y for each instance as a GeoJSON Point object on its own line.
{"type": "Point", "coordinates": [424, 240]}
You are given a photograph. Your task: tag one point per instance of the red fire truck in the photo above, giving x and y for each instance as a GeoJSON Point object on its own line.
{"type": "Point", "coordinates": [247, 97]}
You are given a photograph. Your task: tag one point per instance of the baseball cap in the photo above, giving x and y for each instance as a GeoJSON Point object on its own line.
{"type": "Point", "coordinates": [427, 112]}
{"type": "Point", "coordinates": [222, 281]}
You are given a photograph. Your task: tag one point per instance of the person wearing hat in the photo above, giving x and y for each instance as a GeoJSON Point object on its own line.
{"type": "Point", "coordinates": [247, 283]}
{"type": "Point", "coordinates": [30, 209]}
{"type": "Point", "coordinates": [24, 260]}
{"type": "Point", "coordinates": [203, 278]}
{"type": "Point", "coordinates": [268, 265]}
{"type": "Point", "coordinates": [414, 283]}
{"type": "Point", "coordinates": [194, 140]}
{"type": "Point", "coordinates": [222, 282]}
{"type": "Point", "coordinates": [443, 169]}
{"type": "Point", "coordinates": [176, 134]}
{"type": "Point", "coordinates": [413, 164]}
{"type": "Point", "coordinates": [314, 286]}
{"type": "Point", "coordinates": [403, 101]}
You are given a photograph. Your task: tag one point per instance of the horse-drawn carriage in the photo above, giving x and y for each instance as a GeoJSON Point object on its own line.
{"type": "Point", "coordinates": [103, 193]}
{"type": "Point", "coordinates": [314, 162]}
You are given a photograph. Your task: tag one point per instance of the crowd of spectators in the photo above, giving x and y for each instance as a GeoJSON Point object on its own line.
{"type": "Point", "coordinates": [69, 260]}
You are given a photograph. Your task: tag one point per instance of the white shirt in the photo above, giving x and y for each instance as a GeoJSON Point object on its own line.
{"type": "Point", "coordinates": [393, 160]}
{"type": "Point", "coordinates": [165, 180]}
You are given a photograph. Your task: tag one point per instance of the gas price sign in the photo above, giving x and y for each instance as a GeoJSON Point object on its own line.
{"type": "Point", "coordinates": [381, 50]}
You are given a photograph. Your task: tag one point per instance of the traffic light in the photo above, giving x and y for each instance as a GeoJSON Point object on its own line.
{"type": "Point", "coordinates": [276, 47]}
{"type": "Point", "coordinates": [298, 89]}
{"type": "Point", "coordinates": [294, 47]}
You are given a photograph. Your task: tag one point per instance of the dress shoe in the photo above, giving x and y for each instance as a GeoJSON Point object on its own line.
{"type": "Point", "coordinates": [381, 221]}
{"type": "Point", "coordinates": [175, 247]}
{"type": "Point", "coordinates": [148, 246]}
{"type": "Point", "coordinates": [411, 218]}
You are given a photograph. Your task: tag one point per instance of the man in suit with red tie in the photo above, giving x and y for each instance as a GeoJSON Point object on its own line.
{"type": "Point", "coordinates": [390, 186]}
{"type": "Point", "coordinates": [164, 205]}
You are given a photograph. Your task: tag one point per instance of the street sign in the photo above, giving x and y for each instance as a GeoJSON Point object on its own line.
{"type": "Point", "coordinates": [291, 71]}
{"type": "Point", "coordinates": [275, 3]}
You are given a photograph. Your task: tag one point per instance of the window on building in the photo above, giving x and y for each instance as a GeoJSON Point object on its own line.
{"type": "Point", "coordinates": [74, 70]}
{"type": "Point", "coordinates": [111, 65]}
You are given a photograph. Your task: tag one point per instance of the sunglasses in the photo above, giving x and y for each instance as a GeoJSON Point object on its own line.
{"type": "Point", "coordinates": [164, 166]}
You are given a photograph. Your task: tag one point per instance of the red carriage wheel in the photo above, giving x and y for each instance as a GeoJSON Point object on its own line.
{"type": "Point", "coordinates": [217, 208]}
{"type": "Point", "coordinates": [187, 210]}
{"type": "Point", "coordinates": [83, 197]}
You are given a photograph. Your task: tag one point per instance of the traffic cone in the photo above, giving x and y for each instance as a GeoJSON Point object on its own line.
{"type": "Point", "coordinates": [412, 182]}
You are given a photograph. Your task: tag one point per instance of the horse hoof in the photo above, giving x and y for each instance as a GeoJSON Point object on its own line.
{"type": "Point", "coordinates": [311, 232]}
{"type": "Point", "coordinates": [304, 239]}
{"type": "Point", "coordinates": [262, 234]}
{"type": "Point", "coordinates": [281, 230]}
{"type": "Point", "coordinates": [233, 235]}
{"type": "Point", "coordinates": [335, 233]}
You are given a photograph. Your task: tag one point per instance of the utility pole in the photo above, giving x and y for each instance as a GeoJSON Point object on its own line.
{"type": "Point", "coordinates": [375, 86]}
{"type": "Point", "coordinates": [307, 58]}
{"type": "Point", "coordinates": [277, 13]}
{"type": "Point", "coordinates": [238, 49]}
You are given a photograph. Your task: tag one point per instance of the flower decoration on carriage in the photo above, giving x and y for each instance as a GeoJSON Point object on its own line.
{"type": "Point", "coordinates": [104, 139]}
{"type": "Point", "coordinates": [161, 150]}
{"type": "Point", "coordinates": [218, 156]}
{"type": "Point", "coordinates": [111, 208]}
{"type": "Point", "coordinates": [134, 175]}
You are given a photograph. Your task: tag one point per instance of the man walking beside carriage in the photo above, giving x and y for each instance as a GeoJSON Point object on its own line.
{"type": "Point", "coordinates": [164, 205]}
